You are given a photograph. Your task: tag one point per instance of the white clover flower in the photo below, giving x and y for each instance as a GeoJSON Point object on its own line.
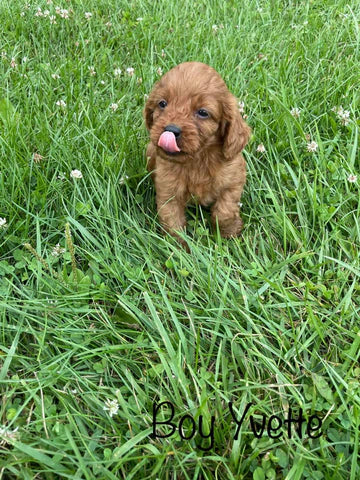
{"type": "Point", "coordinates": [13, 63]}
{"type": "Point", "coordinates": [46, 13]}
{"type": "Point", "coordinates": [241, 106]}
{"type": "Point", "coordinates": [312, 146]}
{"type": "Point", "coordinates": [61, 103]}
{"type": "Point", "coordinates": [3, 54]}
{"type": "Point", "coordinates": [7, 434]}
{"type": "Point", "coordinates": [64, 13]}
{"type": "Point", "coordinates": [52, 19]}
{"type": "Point", "coordinates": [117, 72]}
{"type": "Point", "coordinates": [76, 174]}
{"type": "Point", "coordinates": [57, 250]}
{"type": "Point", "coordinates": [215, 28]}
{"type": "Point", "coordinates": [122, 179]}
{"type": "Point", "coordinates": [55, 76]}
{"type": "Point", "coordinates": [57, 10]}
{"type": "Point", "coordinates": [159, 71]}
{"type": "Point", "coordinates": [352, 178]}
{"type": "Point", "coordinates": [343, 115]}
{"type": "Point", "coordinates": [2, 222]}
{"type": "Point", "coordinates": [261, 148]}
{"type": "Point", "coordinates": [130, 71]}
{"type": "Point", "coordinates": [37, 157]}
{"type": "Point", "coordinates": [112, 406]}
{"type": "Point", "coordinates": [88, 15]}
{"type": "Point", "coordinates": [92, 71]}
{"type": "Point", "coordinates": [146, 96]}
{"type": "Point", "coordinates": [295, 112]}
{"type": "Point", "coordinates": [114, 106]}
{"type": "Point", "coordinates": [22, 14]}
{"type": "Point", "coordinates": [345, 120]}
{"type": "Point", "coordinates": [139, 19]}
{"type": "Point", "coordinates": [39, 13]}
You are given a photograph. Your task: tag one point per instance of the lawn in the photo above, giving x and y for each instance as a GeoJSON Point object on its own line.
{"type": "Point", "coordinates": [247, 349]}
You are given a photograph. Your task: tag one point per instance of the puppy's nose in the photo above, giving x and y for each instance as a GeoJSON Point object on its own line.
{"type": "Point", "coordinates": [173, 129]}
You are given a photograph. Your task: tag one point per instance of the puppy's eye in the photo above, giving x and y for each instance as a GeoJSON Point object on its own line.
{"type": "Point", "coordinates": [202, 113]}
{"type": "Point", "coordinates": [162, 104]}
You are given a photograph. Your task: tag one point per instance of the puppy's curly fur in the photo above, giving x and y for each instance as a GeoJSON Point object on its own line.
{"type": "Point", "coordinates": [193, 101]}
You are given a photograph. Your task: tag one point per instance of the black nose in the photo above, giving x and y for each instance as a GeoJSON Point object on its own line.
{"type": "Point", "coordinates": [174, 129]}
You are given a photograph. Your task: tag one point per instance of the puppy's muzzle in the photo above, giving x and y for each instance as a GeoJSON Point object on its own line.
{"type": "Point", "coordinates": [173, 129]}
{"type": "Point", "coordinates": [169, 138]}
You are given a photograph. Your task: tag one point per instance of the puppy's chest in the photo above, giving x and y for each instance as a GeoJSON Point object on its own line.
{"type": "Point", "coordinates": [200, 187]}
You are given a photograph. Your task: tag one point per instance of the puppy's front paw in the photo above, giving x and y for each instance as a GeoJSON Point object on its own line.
{"type": "Point", "coordinates": [230, 227]}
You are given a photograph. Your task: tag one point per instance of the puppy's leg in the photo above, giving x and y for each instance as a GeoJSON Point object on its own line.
{"type": "Point", "coordinates": [171, 214]}
{"type": "Point", "coordinates": [225, 212]}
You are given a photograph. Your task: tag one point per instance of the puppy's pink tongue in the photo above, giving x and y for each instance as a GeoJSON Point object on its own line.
{"type": "Point", "coordinates": [167, 141]}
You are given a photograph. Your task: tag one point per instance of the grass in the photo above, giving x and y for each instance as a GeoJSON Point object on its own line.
{"type": "Point", "coordinates": [123, 314]}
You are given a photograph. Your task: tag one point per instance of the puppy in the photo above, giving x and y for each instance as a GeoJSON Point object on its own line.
{"type": "Point", "coordinates": [196, 138]}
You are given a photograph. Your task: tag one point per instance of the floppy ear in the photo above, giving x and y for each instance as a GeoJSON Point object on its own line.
{"type": "Point", "coordinates": [235, 131]}
{"type": "Point", "coordinates": [148, 112]}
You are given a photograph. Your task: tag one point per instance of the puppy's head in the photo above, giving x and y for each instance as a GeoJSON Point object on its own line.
{"type": "Point", "coordinates": [191, 109]}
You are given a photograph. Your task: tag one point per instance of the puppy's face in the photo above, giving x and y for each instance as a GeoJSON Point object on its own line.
{"type": "Point", "coordinates": [190, 109]}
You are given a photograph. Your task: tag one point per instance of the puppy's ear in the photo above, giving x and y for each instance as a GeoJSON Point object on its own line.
{"type": "Point", "coordinates": [235, 131]}
{"type": "Point", "coordinates": [148, 112]}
